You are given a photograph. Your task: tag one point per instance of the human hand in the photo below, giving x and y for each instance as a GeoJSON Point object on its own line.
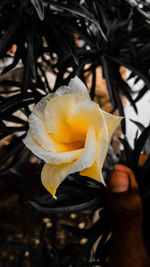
{"type": "Point", "coordinates": [125, 206]}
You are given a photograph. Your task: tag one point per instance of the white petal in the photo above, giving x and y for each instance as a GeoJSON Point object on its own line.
{"type": "Point", "coordinates": [75, 86]}
{"type": "Point", "coordinates": [36, 119]}
{"type": "Point", "coordinates": [78, 87]}
{"type": "Point", "coordinates": [38, 127]}
{"type": "Point", "coordinates": [53, 175]}
{"type": "Point", "coordinates": [63, 90]}
{"type": "Point", "coordinates": [50, 157]}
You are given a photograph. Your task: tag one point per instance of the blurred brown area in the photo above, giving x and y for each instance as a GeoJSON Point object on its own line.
{"type": "Point", "coordinates": [21, 224]}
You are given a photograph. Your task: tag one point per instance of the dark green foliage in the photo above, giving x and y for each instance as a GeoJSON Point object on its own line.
{"type": "Point", "coordinates": [87, 195]}
{"type": "Point", "coordinates": [115, 37]}
{"type": "Point", "coordinates": [112, 34]}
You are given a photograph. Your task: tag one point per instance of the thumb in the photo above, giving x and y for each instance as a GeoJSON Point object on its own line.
{"type": "Point", "coordinates": [123, 196]}
{"type": "Point", "coordinates": [125, 206]}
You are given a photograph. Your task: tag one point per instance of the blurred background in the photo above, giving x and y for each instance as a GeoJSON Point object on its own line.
{"type": "Point", "coordinates": [43, 44]}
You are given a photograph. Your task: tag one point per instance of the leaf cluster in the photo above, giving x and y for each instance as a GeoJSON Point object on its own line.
{"type": "Point", "coordinates": [68, 38]}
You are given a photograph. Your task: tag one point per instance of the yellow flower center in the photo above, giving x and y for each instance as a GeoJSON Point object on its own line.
{"type": "Point", "coordinates": [65, 124]}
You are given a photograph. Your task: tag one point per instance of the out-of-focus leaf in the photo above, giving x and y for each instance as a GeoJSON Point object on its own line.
{"type": "Point", "coordinates": [129, 160]}
{"type": "Point", "coordinates": [15, 102]}
{"type": "Point", "coordinates": [31, 59]}
{"type": "Point", "coordinates": [141, 94]}
{"type": "Point", "coordinates": [101, 243]}
{"type": "Point", "coordinates": [15, 61]}
{"type": "Point", "coordinates": [127, 93]}
{"type": "Point", "coordinates": [92, 93]}
{"type": "Point", "coordinates": [12, 149]}
{"type": "Point", "coordinates": [10, 130]}
{"type": "Point", "coordinates": [138, 124]}
{"type": "Point", "coordinates": [121, 111]}
{"type": "Point", "coordinates": [103, 256]}
{"type": "Point", "coordinates": [140, 144]}
{"type": "Point", "coordinates": [39, 6]}
{"type": "Point", "coordinates": [74, 207]}
{"type": "Point", "coordinates": [46, 81]}
{"type": "Point", "coordinates": [10, 83]}
{"type": "Point", "coordinates": [145, 170]}
{"type": "Point", "coordinates": [14, 119]}
{"type": "Point", "coordinates": [135, 70]}
{"type": "Point", "coordinates": [78, 10]}
{"type": "Point", "coordinates": [27, 176]}
{"type": "Point", "coordinates": [108, 80]}
{"type": "Point", "coordinates": [97, 229]}
{"type": "Point", "coordinates": [7, 39]}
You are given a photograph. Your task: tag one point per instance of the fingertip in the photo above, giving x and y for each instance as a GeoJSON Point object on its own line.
{"type": "Point", "coordinates": [129, 172]}
{"type": "Point", "coordinates": [118, 181]}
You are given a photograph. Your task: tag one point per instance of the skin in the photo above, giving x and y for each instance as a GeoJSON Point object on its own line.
{"type": "Point", "coordinates": [125, 206]}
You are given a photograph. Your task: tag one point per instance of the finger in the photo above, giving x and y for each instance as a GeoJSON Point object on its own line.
{"type": "Point", "coordinates": [123, 197]}
{"type": "Point", "coordinates": [119, 181]}
{"type": "Point", "coordinates": [125, 207]}
{"type": "Point", "coordinates": [129, 172]}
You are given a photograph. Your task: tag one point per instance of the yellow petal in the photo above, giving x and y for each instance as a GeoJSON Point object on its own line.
{"type": "Point", "coordinates": [53, 175]}
{"type": "Point", "coordinates": [68, 118]}
{"type": "Point", "coordinates": [93, 172]}
{"type": "Point", "coordinates": [38, 127]}
{"type": "Point", "coordinates": [88, 155]}
{"type": "Point", "coordinates": [103, 142]}
{"type": "Point", "coordinates": [112, 122]}
{"type": "Point", "coordinates": [50, 157]}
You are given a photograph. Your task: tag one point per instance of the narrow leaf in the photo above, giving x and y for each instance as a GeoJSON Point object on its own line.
{"type": "Point", "coordinates": [39, 6]}
{"type": "Point", "coordinates": [140, 144]}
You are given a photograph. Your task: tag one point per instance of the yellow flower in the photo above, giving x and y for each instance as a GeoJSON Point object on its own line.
{"type": "Point", "coordinates": [70, 133]}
